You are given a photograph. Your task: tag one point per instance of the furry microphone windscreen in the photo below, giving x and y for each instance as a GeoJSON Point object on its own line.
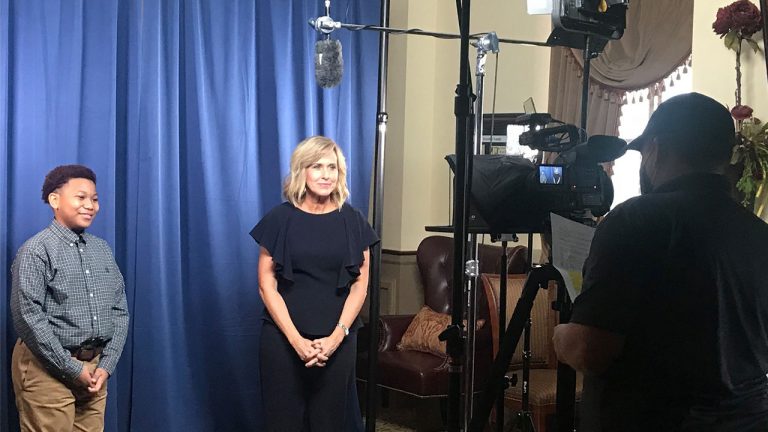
{"type": "Point", "coordinates": [329, 64]}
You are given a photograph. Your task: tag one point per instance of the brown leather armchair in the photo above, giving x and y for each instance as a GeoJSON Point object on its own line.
{"type": "Point", "coordinates": [422, 374]}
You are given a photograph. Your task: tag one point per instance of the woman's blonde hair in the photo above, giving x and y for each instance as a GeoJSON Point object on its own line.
{"type": "Point", "coordinates": [306, 153]}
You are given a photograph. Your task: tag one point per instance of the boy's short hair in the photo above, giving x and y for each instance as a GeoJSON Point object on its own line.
{"type": "Point", "coordinates": [60, 175]}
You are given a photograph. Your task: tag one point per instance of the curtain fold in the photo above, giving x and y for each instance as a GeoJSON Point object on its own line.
{"type": "Point", "coordinates": [6, 333]}
{"type": "Point", "coordinates": [657, 41]}
{"type": "Point", "coordinates": [188, 111]}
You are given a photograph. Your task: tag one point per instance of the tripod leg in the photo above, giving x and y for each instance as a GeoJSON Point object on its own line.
{"type": "Point", "coordinates": [494, 386]}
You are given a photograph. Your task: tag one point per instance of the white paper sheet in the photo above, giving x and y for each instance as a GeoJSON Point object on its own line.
{"type": "Point", "coordinates": [570, 247]}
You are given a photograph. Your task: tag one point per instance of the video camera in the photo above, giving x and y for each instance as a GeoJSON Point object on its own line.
{"type": "Point", "coordinates": [512, 194]}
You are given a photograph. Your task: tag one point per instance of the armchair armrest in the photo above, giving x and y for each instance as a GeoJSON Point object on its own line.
{"type": "Point", "coordinates": [391, 330]}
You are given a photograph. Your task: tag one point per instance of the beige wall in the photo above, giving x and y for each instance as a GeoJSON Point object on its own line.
{"type": "Point", "coordinates": [423, 73]}
{"type": "Point", "coordinates": [714, 65]}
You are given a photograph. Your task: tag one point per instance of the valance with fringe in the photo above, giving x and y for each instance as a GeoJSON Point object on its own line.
{"type": "Point", "coordinates": [656, 43]}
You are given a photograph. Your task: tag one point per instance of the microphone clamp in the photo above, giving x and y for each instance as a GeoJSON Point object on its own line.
{"type": "Point", "coordinates": [325, 24]}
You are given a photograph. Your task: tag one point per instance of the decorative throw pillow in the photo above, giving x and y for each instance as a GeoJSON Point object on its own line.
{"type": "Point", "coordinates": [422, 334]}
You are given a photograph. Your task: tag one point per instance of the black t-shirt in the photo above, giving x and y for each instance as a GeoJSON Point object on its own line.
{"type": "Point", "coordinates": [317, 257]}
{"type": "Point", "coordinates": [681, 274]}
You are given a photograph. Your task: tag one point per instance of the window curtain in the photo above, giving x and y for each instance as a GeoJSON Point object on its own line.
{"type": "Point", "coordinates": [188, 111]}
{"type": "Point", "coordinates": [656, 42]}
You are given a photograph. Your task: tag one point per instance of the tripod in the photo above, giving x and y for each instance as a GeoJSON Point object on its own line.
{"type": "Point", "coordinates": [537, 278]}
{"type": "Point", "coordinates": [522, 422]}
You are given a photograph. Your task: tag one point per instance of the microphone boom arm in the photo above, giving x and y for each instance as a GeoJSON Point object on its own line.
{"type": "Point", "coordinates": [326, 25]}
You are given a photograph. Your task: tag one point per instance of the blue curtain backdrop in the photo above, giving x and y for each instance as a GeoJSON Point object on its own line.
{"type": "Point", "coordinates": [188, 111]}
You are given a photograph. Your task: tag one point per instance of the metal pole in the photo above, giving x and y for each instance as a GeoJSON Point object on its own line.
{"type": "Point", "coordinates": [462, 110]}
{"type": "Point", "coordinates": [472, 273]}
{"type": "Point", "coordinates": [417, 32]}
{"type": "Point", "coordinates": [473, 265]}
{"type": "Point", "coordinates": [378, 213]}
{"type": "Point", "coordinates": [565, 400]}
{"type": "Point", "coordinates": [585, 81]}
{"type": "Point", "coordinates": [502, 327]}
{"type": "Point", "coordinates": [764, 13]}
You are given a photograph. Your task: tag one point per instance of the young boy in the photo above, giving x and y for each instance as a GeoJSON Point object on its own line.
{"type": "Point", "coordinates": [69, 308]}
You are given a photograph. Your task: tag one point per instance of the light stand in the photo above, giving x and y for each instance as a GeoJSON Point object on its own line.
{"type": "Point", "coordinates": [565, 400]}
{"type": "Point", "coordinates": [487, 43]}
{"type": "Point", "coordinates": [463, 178]}
{"type": "Point", "coordinates": [378, 216]}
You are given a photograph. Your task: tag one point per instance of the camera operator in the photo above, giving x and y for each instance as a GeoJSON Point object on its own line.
{"type": "Point", "coordinates": [671, 329]}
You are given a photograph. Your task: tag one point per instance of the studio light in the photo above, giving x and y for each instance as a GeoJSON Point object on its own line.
{"type": "Point", "coordinates": [539, 7]}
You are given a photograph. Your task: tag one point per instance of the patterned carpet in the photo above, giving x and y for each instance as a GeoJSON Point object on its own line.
{"type": "Point", "coordinates": [406, 414]}
{"type": "Point", "coordinates": [386, 425]}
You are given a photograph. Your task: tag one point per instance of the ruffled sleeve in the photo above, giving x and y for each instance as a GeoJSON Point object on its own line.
{"type": "Point", "coordinates": [360, 236]}
{"type": "Point", "coordinates": [270, 233]}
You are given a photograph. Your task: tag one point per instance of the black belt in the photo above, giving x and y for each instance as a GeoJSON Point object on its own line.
{"type": "Point", "coordinates": [88, 349]}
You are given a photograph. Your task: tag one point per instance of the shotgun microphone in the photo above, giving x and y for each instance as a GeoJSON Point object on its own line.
{"type": "Point", "coordinates": [329, 63]}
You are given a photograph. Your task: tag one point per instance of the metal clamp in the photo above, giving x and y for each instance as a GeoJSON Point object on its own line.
{"type": "Point", "coordinates": [489, 42]}
{"type": "Point", "coordinates": [472, 268]}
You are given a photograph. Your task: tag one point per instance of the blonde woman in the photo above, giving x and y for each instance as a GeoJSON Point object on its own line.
{"type": "Point", "coordinates": [313, 279]}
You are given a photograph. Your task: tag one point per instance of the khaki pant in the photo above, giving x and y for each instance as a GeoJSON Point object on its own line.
{"type": "Point", "coordinates": [46, 404]}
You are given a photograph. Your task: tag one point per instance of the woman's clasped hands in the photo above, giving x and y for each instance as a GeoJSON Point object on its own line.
{"type": "Point", "coordinates": [315, 353]}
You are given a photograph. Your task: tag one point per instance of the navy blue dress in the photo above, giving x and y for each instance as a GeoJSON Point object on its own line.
{"type": "Point", "coordinates": [317, 257]}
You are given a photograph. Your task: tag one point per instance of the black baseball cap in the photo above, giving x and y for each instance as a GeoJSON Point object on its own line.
{"type": "Point", "coordinates": [693, 123]}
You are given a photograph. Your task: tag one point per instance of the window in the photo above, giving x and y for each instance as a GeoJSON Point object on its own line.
{"type": "Point", "coordinates": [634, 117]}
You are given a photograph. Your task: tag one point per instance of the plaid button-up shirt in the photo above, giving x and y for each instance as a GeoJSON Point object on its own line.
{"type": "Point", "coordinates": [67, 288]}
